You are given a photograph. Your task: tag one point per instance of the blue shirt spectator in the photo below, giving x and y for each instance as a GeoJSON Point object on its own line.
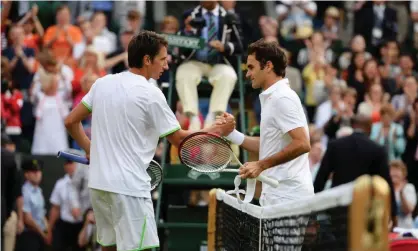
{"type": "Point", "coordinates": [34, 203]}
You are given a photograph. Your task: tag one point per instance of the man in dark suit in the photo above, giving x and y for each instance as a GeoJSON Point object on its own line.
{"type": "Point", "coordinates": [350, 157]}
{"type": "Point", "coordinates": [222, 36]}
{"type": "Point", "coordinates": [11, 195]}
{"type": "Point", "coordinates": [376, 22]}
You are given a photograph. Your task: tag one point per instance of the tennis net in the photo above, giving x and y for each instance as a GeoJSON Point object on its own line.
{"type": "Point", "coordinates": [318, 223]}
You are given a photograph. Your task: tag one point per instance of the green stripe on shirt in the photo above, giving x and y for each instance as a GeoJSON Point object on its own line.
{"type": "Point", "coordinates": [169, 132]}
{"type": "Point", "coordinates": [86, 105]}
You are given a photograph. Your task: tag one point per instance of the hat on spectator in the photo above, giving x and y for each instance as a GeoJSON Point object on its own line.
{"type": "Point", "coordinates": [332, 12]}
{"type": "Point", "coordinates": [31, 165]}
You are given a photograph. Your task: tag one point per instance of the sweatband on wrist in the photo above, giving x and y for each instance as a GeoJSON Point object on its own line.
{"type": "Point", "coordinates": [236, 137]}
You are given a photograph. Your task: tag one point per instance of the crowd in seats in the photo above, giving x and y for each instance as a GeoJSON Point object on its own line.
{"type": "Point", "coordinates": [345, 59]}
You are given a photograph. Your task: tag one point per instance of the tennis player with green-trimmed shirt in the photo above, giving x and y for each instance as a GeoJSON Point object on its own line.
{"type": "Point", "coordinates": [284, 137]}
{"type": "Point", "coordinates": [129, 115]}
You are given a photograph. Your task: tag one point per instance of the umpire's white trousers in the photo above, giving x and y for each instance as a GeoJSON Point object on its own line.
{"type": "Point", "coordinates": [10, 231]}
{"type": "Point", "coordinates": [221, 76]}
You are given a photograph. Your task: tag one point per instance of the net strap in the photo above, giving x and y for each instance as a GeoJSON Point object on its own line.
{"type": "Point", "coordinates": [249, 193]}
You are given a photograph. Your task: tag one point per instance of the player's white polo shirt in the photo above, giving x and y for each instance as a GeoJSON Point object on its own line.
{"type": "Point", "coordinates": [281, 112]}
{"type": "Point", "coordinates": [129, 115]}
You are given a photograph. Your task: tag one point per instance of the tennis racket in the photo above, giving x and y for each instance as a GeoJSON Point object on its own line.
{"type": "Point", "coordinates": [208, 153]}
{"type": "Point", "coordinates": [154, 169]}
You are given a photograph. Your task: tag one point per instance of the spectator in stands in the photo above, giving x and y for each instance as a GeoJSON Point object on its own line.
{"type": "Point", "coordinates": [63, 227]}
{"type": "Point", "coordinates": [374, 101]}
{"type": "Point", "coordinates": [5, 23]}
{"type": "Point", "coordinates": [316, 47]}
{"type": "Point", "coordinates": [315, 157]}
{"type": "Point", "coordinates": [410, 156]}
{"type": "Point", "coordinates": [322, 88]}
{"type": "Point", "coordinates": [389, 134]}
{"type": "Point", "coordinates": [50, 135]}
{"type": "Point", "coordinates": [62, 37]}
{"type": "Point", "coordinates": [269, 28]}
{"type": "Point", "coordinates": [248, 32]}
{"type": "Point", "coordinates": [122, 9]}
{"type": "Point", "coordinates": [376, 23]}
{"type": "Point", "coordinates": [332, 106]}
{"type": "Point", "coordinates": [34, 236]}
{"type": "Point", "coordinates": [294, 75]}
{"type": "Point", "coordinates": [92, 63]}
{"type": "Point", "coordinates": [389, 57]}
{"type": "Point", "coordinates": [170, 25]}
{"type": "Point", "coordinates": [313, 74]}
{"type": "Point", "coordinates": [403, 103]}
{"type": "Point", "coordinates": [330, 27]}
{"type": "Point", "coordinates": [414, 17]}
{"type": "Point", "coordinates": [296, 19]}
{"type": "Point", "coordinates": [371, 76]}
{"type": "Point", "coordinates": [343, 116]}
{"type": "Point", "coordinates": [133, 21]}
{"type": "Point", "coordinates": [31, 24]}
{"type": "Point", "coordinates": [100, 43]}
{"type": "Point", "coordinates": [357, 45]}
{"type": "Point", "coordinates": [118, 61]}
{"type": "Point", "coordinates": [11, 104]}
{"type": "Point", "coordinates": [21, 59]}
{"type": "Point", "coordinates": [100, 30]}
{"type": "Point", "coordinates": [65, 77]}
{"type": "Point", "coordinates": [354, 72]}
{"type": "Point", "coordinates": [11, 196]}
{"type": "Point", "coordinates": [87, 235]}
{"type": "Point", "coordinates": [405, 194]}
{"type": "Point", "coordinates": [213, 62]}
{"type": "Point", "coordinates": [406, 64]}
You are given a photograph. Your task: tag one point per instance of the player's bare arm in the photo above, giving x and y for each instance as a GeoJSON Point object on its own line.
{"type": "Point", "coordinates": [75, 128]}
{"type": "Point", "coordinates": [299, 145]}
{"type": "Point", "coordinates": [222, 129]}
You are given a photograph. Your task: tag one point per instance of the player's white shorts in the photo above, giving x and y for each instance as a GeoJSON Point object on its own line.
{"type": "Point", "coordinates": [125, 221]}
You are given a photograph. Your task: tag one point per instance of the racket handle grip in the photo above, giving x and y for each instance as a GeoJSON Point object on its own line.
{"type": "Point", "coordinates": [73, 157]}
{"type": "Point", "coordinates": [270, 181]}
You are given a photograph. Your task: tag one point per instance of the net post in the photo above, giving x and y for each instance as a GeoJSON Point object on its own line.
{"type": "Point", "coordinates": [380, 213]}
{"type": "Point", "coordinates": [369, 214]}
{"type": "Point", "coordinates": [358, 238]}
{"type": "Point", "coordinates": [212, 220]}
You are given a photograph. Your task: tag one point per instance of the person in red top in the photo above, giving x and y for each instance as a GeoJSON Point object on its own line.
{"type": "Point", "coordinates": [92, 63]}
{"type": "Point", "coordinates": [11, 103]}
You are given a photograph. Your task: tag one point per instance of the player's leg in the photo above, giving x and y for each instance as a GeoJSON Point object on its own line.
{"type": "Point", "coordinates": [103, 214]}
{"type": "Point", "coordinates": [188, 77]}
{"type": "Point", "coordinates": [134, 223]}
{"type": "Point", "coordinates": [223, 79]}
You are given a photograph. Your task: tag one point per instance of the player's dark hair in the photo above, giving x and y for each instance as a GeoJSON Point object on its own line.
{"type": "Point", "coordinates": [269, 51]}
{"type": "Point", "coordinates": [144, 43]}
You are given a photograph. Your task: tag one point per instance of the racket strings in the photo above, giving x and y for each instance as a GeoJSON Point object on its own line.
{"type": "Point", "coordinates": [155, 173]}
{"type": "Point", "coordinates": [205, 153]}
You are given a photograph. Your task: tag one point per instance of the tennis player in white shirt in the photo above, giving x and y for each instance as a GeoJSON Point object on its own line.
{"type": "Point", "coordinates": [283, 144]}
{"type": "Point", "coordinates": [129, 115]}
